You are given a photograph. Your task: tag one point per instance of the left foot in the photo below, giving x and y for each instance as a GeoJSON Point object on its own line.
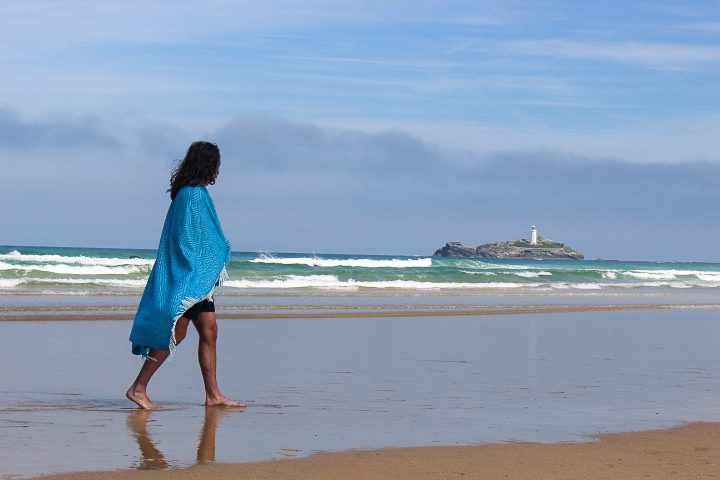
{"type": "Point", "coordinates": [223, 402]}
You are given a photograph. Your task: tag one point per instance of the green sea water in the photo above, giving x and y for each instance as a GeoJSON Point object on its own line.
{"type": "Point", "coordinates": [97, 271]}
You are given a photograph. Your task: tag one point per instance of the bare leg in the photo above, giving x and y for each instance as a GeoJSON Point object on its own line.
{"type": "Point", "coordinates": [138, 390]}
{"type": "Point", "coordinates": [207, 328]}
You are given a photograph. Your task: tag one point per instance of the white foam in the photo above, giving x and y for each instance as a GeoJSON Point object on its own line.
{"type": "Point", "coordinates": [10, 282]}
{"type": "Point", "coordinates": [577, 286]}
{"type": "Point", "coordinates": [469, 272]}
{"type": "Point", "coordinates": [350, 262]}
{"type": "Point", "coordinates": [672, 274]}
{"type": "Point", "coordinates": [475, 265]}
{"type": "Point", "coordinates": [289, 281]}
{"type": "Point", "coordinates": [332, 282]}
{"type": "Point", "coordinates": [667, 284]}
{"type": "Point", "coordinates": [709, 276]}
{"type": "Point", "coordinates": [651, 275]}
{"type": "Point", "coordinates": [80, 259]}
{"type": "Point", "coordinates": [413, 285]}
{"type": "Point", "coordinates": [529, 274]}
{"type": "Point", "coordinates": [84, 281]}
{"type": "Point", "coordinates": [62, 268]}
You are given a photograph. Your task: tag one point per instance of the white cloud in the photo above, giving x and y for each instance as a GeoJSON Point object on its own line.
{"type": "Point", "coordinates": [656, 55]}
{"type": "Point", "coordinates": [675, 140]}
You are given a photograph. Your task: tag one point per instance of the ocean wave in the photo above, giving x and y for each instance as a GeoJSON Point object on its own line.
{"type": "Point", "coordinates": [331, 282]}
{"type": "Point", "coordinates": [79, 259]}
{"type": "Point", "coordinates": [479, 265]}
{"type": "Point", "coordinates": [334, 283]}
{"type": "Point", "coordinates": [651, 275]}
{"type": "Point", "coordinates": [10, 282]}
{"type": "Point", "coordinates": [413, 285]}
{"type": "Point", "coordinates": [469, 272]}
{"type": "Point", "coordinates": [120, 282]}
{"type": "Point", "coordinates": [289, 281]}
{"type": "Point", "coordinates": [671, 274]}
{"type": "Point", "coordinates": [709, 276]}
{"type": "Point", "coordinates": [529, 274]}
{"type": "Point", "coordinates": [658, 284]}
{"type": "Point", "coordinates": [350, 262]}
{"type": "Point", "coordinates": [64, 269]}
{"type": "Point", "coordinates": [579, 286]}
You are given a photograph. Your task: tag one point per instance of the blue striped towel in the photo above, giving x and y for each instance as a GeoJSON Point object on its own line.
{"type": "Point", "coordinates": [191, 265]}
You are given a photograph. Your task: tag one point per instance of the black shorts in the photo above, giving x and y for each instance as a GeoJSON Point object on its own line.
{"type": "Point", "coordinates": [204, 306]}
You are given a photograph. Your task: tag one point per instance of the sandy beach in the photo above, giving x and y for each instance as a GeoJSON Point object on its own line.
{"type": "Point", "coordinates": [686, 452]}
{"type": "Point", "coordinates": [378, 386]}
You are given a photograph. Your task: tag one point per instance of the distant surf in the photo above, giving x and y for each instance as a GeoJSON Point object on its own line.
{"type": "Point", "coordinates": [316, 261]}
{"type": "Point", "coordinates": [49, 270]}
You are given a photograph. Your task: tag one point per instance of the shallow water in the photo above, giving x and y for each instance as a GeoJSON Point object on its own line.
{"type": "Point", "coordinates": [335, 384]}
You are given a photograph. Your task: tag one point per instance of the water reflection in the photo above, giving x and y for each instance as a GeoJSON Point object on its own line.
{"type": "Point", "coordinates": [153, 458]}
{"type": "Point", "coordinates": [206, 446]}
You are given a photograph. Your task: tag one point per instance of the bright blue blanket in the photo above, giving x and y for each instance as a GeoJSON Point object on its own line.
{"type": "Point", "coordinates": [191, 264]}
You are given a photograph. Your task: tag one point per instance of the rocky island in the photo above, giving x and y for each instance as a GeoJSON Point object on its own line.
{"type": "Point", "coordinates": [537, 247]}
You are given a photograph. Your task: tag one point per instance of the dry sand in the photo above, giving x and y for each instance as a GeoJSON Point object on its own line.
{"type": "Point", "coordinates": [687, 452]}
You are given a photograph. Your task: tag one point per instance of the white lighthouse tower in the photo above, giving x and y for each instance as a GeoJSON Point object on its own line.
{"type": "Point", "coordinates": [533, 236]}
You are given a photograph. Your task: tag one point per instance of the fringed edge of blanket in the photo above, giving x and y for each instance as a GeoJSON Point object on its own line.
{"type": "Point", "coordinates": [188, 302]}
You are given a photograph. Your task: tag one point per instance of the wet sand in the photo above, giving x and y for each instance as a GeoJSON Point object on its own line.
{"type": "Point", "coordinates": [334, 311]}
{"type": "Point", "coordinates": [686, 452]}
{"type": "Point", "coordinates": [378, 312]}
{"type": "Point", "coordinates": [358, 384]}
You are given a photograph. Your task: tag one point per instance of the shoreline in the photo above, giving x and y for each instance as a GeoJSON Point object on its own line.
{"type": "Point", "coordinates": [687, 451]}
{"type": "Point", "coordinates": [363, 311]}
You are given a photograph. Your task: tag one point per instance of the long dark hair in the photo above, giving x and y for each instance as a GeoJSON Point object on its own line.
{"type": "Point", "coordinates": [200, 166]}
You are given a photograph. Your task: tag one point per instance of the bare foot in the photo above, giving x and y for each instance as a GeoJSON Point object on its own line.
{"type": "Point", "coordinates": [140, 399]}
{"type": "Point", "coordinates": [223, 402]}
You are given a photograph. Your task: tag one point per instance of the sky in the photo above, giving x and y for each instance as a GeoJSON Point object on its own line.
{"type": "Point", "coordinates": [367, 127]}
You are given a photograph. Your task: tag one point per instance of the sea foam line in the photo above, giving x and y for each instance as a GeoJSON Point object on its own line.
{"type": "Point", "coordinates": [350, 262]}
{"type": "Point", "coordinates": [528, 274]}
{"type": "Point", "coordinates": [62, 268]}
{"type": "Point", "coordinates": [79, 259]}
{"type": "Point", "coordinates": [333, 283]}
{"type": "Point", "coordinates": [672, 274]}
{"type": "Point", "coordinates": [330, 282]}
{"type": "Point", "coordinates": [17, 282]}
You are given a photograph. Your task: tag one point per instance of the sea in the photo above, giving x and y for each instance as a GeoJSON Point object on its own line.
{"type": "Point", "coordinates": [34, 270]}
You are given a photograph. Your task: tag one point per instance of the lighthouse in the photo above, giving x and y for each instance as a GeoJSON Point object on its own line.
{"type": "Point", "coordinates": [533, 236]}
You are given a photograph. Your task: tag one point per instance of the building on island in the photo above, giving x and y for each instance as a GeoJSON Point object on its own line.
{"type": "Point", "coordinates": [537, 248]}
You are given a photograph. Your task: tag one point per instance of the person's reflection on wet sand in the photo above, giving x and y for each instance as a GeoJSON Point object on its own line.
{"type": "Point", "coordinates": [153, 459]}
{"type": "Point", "coordinates": [206, 446]}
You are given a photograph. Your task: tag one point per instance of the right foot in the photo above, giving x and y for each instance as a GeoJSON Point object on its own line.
{"type": "Point", "coordinates": [223, 401]}
{"type": "Point", "coordinates": [140, 399]}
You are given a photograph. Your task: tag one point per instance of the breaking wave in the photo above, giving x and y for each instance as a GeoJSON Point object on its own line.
{"type": "Point", "coordinates": [529, 274]}
{"type": "Point", "coordinates": [333, 282]}
{"type": "Point", "coordinates": [43, 268]}
{"type": "Point", "coordinates": [349, 262]}
{"type": "Point", "coordinates": [70, 259]}
{"type": "Point", "coordinates": [119, 282]}
{"type": "Point", "coordinates": [62, 268]}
